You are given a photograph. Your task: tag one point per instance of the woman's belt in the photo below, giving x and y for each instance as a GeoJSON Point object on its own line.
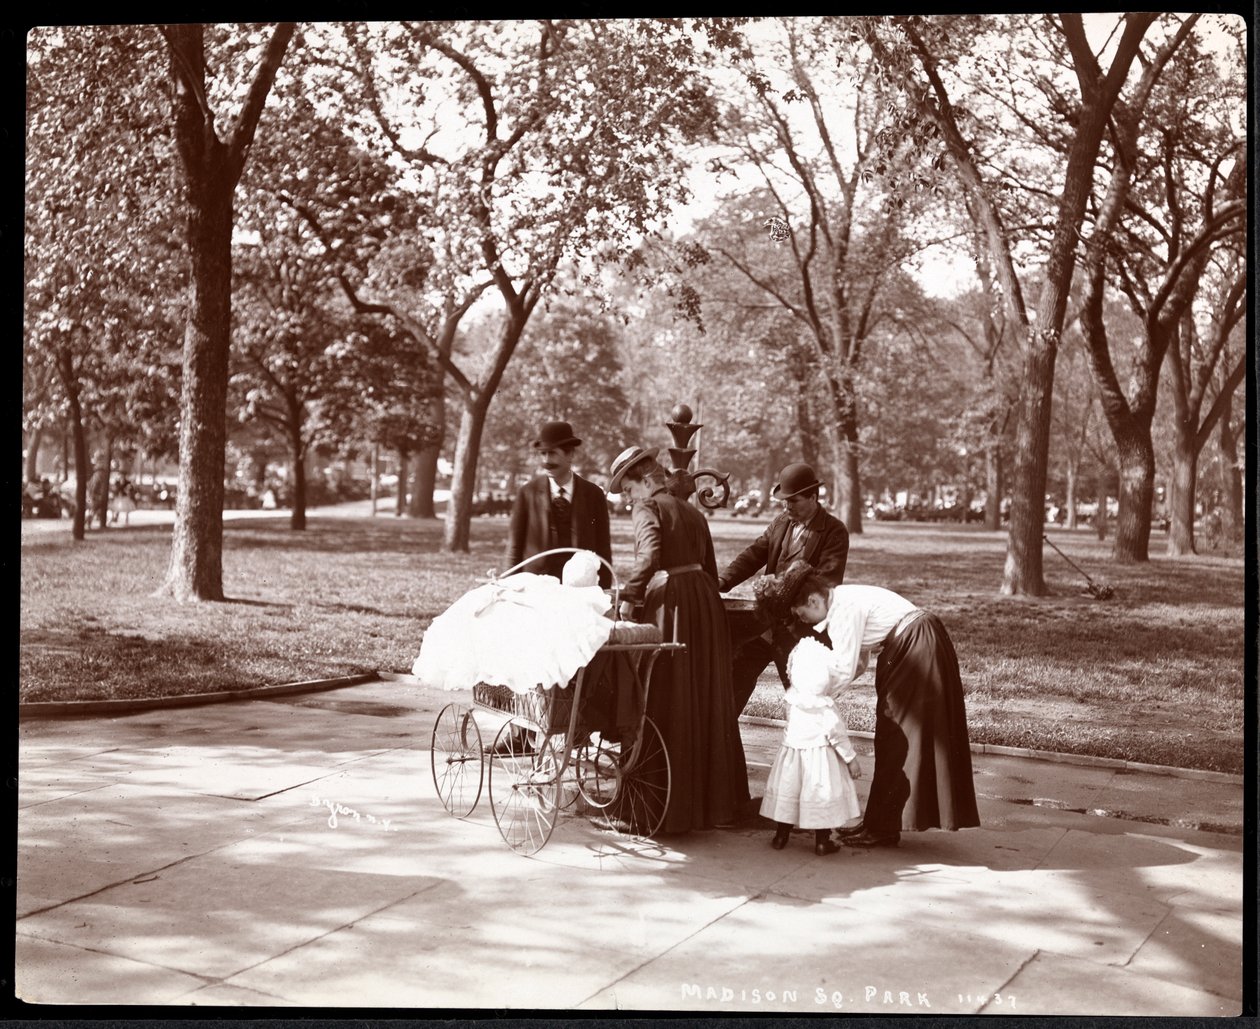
{"type": "Point", "coordinates": [661, 575]}
{"type": "Point", "coordinates": [903, 623]}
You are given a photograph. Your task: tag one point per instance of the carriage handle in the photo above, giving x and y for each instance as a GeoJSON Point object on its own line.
{"type": "Point", "coordinates": [616, 583]}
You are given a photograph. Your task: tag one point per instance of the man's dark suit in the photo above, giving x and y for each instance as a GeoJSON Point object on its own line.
{"type": "Point", "coordinates": [533, 529]}
{"type": "Point", "coordinates": [826, 547]}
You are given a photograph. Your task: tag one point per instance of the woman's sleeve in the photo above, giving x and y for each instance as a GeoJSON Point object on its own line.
{"type": "Point", "coordinates": [845, 626]}
{"type": "Point", "coordinates": [646, 520]}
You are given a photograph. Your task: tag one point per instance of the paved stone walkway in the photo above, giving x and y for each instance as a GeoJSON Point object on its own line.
{"type": "Point", "coordinates": [291, 852]}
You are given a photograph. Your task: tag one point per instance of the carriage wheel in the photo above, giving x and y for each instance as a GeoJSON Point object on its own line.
{"type": "Point", "coordinates": [524, 789]}
{"type": "Point", "coordinates": [640, 804]}
{"type": "Point", "coordinates": [455, 757]}
{"type": "Point", "coordinates": [598, 770]}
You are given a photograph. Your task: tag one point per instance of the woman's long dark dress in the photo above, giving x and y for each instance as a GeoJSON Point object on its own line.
{"type": "Point", "coordinates": [690, 698]}
{"type": "Point", "coordinates": [922, 777]}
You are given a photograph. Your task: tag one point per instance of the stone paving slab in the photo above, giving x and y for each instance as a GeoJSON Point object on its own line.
{"type": "Point", "coordinates": [118, 833]}
{"type": "Point", "coordinates": [47, 972]}
{"type": "Point", "coordinates": [1054, 984]}
{"type": "Point", "coordinates": [1197, 949]}
{"type": "Point", "coordinates": [1170, 871]}
{"type": "Point", "coordinates": [217, 914]}
{"type": "Point", "coordinates": [540, 938]}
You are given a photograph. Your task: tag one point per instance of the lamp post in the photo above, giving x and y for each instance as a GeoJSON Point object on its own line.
{"type": "Point", "coordinates": [682, 481]}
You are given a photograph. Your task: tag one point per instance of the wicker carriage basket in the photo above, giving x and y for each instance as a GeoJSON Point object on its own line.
{"type": "Point", "coordinates": [550, 708]}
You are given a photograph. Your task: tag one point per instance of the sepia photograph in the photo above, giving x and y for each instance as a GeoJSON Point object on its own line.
{"type": "Point", "coordinates": [603, 516]}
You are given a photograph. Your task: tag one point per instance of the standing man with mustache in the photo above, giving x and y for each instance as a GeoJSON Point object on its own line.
{"type": "Point", "coordinates": [558, 508]}
{"type": "Point", "coordinates": [804, 530]}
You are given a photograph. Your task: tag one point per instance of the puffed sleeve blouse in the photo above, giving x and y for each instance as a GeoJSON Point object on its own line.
{"type": "Point", "coordinates": [859, 619]}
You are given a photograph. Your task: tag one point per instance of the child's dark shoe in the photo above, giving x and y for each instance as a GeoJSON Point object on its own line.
{"type": "Point", "coordinates": [780, 839]}
{"type": "Point", "coordinates": [825, 847]}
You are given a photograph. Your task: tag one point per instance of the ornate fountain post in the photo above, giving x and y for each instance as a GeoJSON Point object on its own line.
{"type": "Point", "coordinates": [682, 481]}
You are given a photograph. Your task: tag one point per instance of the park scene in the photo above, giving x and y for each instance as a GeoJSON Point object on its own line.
{"type": "Point", "coordinates": [663, 515]}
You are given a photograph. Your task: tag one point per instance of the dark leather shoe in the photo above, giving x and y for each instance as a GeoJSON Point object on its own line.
{"type": "Point", "coordinates": [873, 839]}
{"type": "Point", "coordinates": [826, 847]}
{"type": "Point", "coordinates": [853, 830]}
{"type": "Point", "coordinates": [780, 840]}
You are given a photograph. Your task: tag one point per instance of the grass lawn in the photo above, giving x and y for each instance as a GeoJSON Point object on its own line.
{"type": "Point", "coordinates": [1153, 674]}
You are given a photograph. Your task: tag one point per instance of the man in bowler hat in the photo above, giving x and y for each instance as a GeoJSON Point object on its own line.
{"type": "Point", "coordinates": [558, 508]}
{"type": "Point", "coordinates": [802, 530]}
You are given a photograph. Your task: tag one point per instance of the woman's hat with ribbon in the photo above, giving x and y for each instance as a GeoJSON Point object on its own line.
{"type": "Point", "coordinates": [623, 462]}
{"type": "Point", "coordinates": [775, 594]}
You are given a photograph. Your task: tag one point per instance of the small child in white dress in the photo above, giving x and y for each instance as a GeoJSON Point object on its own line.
{"type": "Point", "coordinates": [811, 781]}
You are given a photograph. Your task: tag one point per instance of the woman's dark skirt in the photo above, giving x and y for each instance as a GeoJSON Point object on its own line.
{"type": "Point", "coordinates": [922, 777]}
{"type": "Point", "coordinates": [691, 702]}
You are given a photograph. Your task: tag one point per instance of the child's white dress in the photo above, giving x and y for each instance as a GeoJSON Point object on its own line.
{"type": "Point", "coordinates": [521, 631]}
{"type": "Point", "coordinates": [809, 785]}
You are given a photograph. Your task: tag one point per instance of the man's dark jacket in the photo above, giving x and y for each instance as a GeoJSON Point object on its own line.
{"type": "Point", "coordinates": [532, 530]}
{"type": "Point", "coordinates": [826, 548]}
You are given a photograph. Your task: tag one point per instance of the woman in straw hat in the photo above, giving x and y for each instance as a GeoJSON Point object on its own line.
{"type": "Point", "coordinates": [922, 777]}
{"type": "Point", "coordinates": [674, 582]}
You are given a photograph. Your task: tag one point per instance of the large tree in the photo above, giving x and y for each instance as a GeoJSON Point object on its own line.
{"type": "Point", "coordinates": [535, 144]}
{"type": "Point", "coordinates": [1206, 367]}
{"type": "Point", "coordinates": [923, 54]}
{"type": "Point", "coordinates": [212, 155]}
{"type": "Point", "coordinates": [1166, 206]}
{"type": "Point", "coordinates": [102, 280]}
{"type": "Point", "coordinates": [810, 145]}
{"type": "Point", "coordinates": [305, 363]}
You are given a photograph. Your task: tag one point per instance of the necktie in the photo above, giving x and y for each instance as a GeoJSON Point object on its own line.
{"type": "Point", "coordinates": [561, 501]}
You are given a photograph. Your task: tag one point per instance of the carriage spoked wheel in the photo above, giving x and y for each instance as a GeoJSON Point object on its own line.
{"type": "Point", "coordinates": [455, 757]}
{"type": "Point", "coordinates": [524, 788]}
{"type": "Point", "coordinates": [638, 808]}
{"type": "Point", "coordinates": [597, 767]}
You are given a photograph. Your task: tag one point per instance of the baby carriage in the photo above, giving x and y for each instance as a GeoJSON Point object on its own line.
{"type": "Point", "coordinates": [539, 750]}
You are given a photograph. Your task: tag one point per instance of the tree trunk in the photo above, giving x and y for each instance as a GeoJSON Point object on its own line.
{"type": "Point", "coordinates": [846, 489]}
{"type": "Point", "coordinates": [1231, 477]}
{"type": "Point", "coordinates": [1024, 567]}
{"type": "Point", "coordinates": [69, 382]}
{"type": "Point", "coordinates": [404, 469]}
{"type": "Point", "coordinates": [1182, 493]}
{"type": "Point", "coordinates": [993, 486]}
{"type": "Point", "coordinates": [195, 571]}
{"type": "Point", "coordinates": [422, 505]}
{"type": "Point", "coordinates": [467, 449]}
{"type": "Point", "coordinates": [102, 514]}
{"type": "Point", "coordinates": [1071, 494]}
{"type": "Point", "coordinates": [297, 517]}
{"type": "Point", "coordinates": [32, 454]}
{"type": "Point", "coordinates": [1101, 518]}
{"type": "Point", "coordinates": [1136, 458]}
{"type": "Point", "coordinates": [848, 507]}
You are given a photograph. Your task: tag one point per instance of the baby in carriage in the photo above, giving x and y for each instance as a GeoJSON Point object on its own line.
{"type": "Point", "coordinates": [521, 631]}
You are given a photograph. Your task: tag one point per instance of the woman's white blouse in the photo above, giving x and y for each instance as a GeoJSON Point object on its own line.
{"type": "Point", "coordinates": [859, 619]}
